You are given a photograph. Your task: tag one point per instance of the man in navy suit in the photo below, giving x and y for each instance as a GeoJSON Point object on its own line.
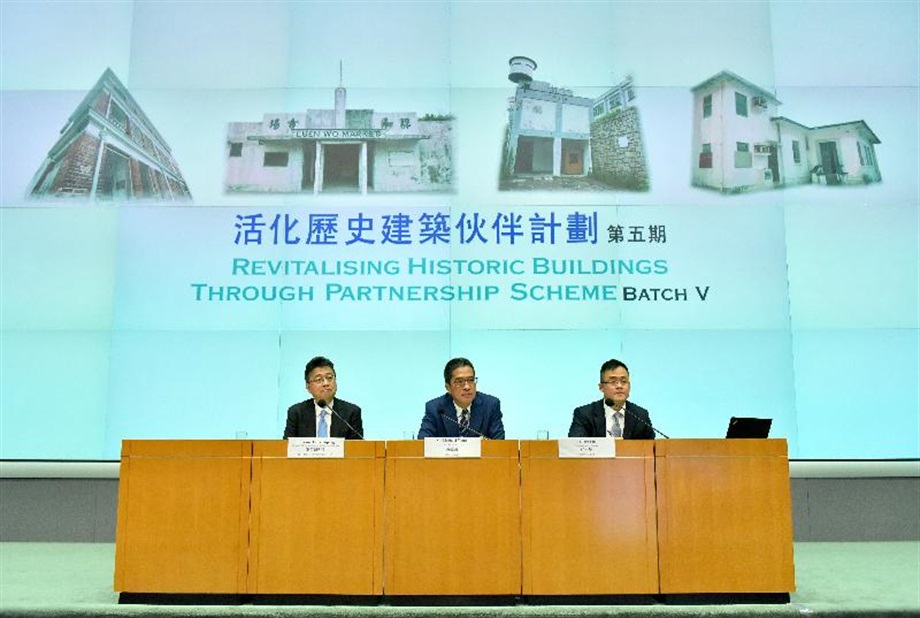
{"type": "Point", "coordinates": [461, 411]}
{"type": "Point", "coordinates": [323, 414]}
{"type": "Point", "coordinates": [612, 416]}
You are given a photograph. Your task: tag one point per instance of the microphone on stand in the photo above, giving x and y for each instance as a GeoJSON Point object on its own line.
{"type": "Point", "coordinates": [634, 416]}
{"type": "Point", "coordinates": [462, 427]}
{"type": "Point", "coordinates": [322, 405]}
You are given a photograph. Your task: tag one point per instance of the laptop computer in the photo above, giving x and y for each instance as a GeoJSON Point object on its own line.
{"type": "Point", "coordinates": [748, 427]}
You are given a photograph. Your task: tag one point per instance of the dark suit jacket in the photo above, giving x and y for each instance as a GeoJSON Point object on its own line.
{"type": "Point", "coordinates": [589, 422]}
{"type": "Point", "coordinates": [485, 418]}
{"type": "Point", "coordinates": [301, 420]}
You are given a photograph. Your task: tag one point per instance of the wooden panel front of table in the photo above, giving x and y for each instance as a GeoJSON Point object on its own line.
{"type": "Point", "coordinates": [317, 524]}
{"type": "Point", "coordinates": [724, 516]}
{"type": "Point", "coordinates": [183, 516]}
{"type": "Point", "coordinates": [589, 524]}
{"type": "Point", "coordinates": [453, 526]}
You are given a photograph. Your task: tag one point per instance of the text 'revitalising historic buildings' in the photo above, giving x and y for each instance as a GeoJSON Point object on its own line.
{"type": "Point", "coordinates": [109, 151]}
{"type": "Point", "coordinates": [341, 150]}
{"type": "Point", "coordinates": [740, 144]}
{"type": "Point", "coordinates": [552, 132]}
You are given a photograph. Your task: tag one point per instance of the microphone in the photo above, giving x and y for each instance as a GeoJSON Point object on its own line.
{"type": "Point", "coordinates": [636, 417]}
{"type": "Point", "coordinates": [462, 427]}
{"type": "Point", "coordinates": [322, 405]}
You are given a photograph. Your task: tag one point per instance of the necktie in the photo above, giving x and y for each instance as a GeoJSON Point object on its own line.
{"type": "Point", "coordinates": [322, 428]}
{"type": "Point", "coordinates": [616, 431]}
{"type": "Point", "coordinates": [464, 421]}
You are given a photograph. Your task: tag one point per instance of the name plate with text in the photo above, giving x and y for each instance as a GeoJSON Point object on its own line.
{"type": "Point", "coordinates": [453, 447]}
{"type": "Point", "coordinates": [307, 448]}
{"type": "Point", "coordinates": [603, 448]}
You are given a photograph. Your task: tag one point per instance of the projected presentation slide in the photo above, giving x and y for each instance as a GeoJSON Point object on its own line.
{"type": "Point", "coordinates": [198, 197]}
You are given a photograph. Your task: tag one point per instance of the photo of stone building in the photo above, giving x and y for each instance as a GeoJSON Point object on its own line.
{"type": "Point", "coordinates": [341, 150]}
{"type": "Point", "coordinates": [740, 143]}
{"type": "Point", "coordinates": [109, 151]}
{"type": "Point", "coordinates": [558, 140]}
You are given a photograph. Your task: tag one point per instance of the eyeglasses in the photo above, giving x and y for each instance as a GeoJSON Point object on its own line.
{"type": "Point", "coordinates": [320, 379]}
{"type": "Point", "coordinates": [615, 381]}
{"type": "Point", "coordinates": [463, 381]}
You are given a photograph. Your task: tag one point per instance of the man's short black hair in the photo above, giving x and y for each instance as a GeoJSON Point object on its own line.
{"type": "Point", "coordinates": [611, 365]}
{"type": "Point", "coordinates": [317, 361]}
{"type": "Point", "coordinates": [456, 363]}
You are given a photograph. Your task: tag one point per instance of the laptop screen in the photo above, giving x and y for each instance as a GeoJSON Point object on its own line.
{"type": "Point", "coordinates": [748, 427]}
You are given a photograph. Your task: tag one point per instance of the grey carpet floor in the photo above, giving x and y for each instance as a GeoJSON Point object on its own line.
{"type": "Point", "coordinates": [833, 579]}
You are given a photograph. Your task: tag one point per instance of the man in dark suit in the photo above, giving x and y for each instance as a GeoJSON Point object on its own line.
{"type": "Point", "coordinates": [612, 416]}
{"type": "Point", "coordinates": [461, 411]}
{"type": "Point", "coordinates": [323, 415]}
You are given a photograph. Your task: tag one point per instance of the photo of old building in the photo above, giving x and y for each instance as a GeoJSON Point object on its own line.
{"type": "Point", "coordinates": [341, 150]}
{"type": "Point", "coordinates": [556, 139]}
{"type": "Point", "coordinates": [740, 143]}
{"type": "Point", "coordinates": [109, 151]}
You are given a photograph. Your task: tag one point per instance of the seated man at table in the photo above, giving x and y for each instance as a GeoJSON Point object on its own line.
{"type": "Point", "coordinates": [612, 416]}
{"type": "Point", "coordinates": [461, 411]}
{"type": "Point", "coordinates": [323, 416]}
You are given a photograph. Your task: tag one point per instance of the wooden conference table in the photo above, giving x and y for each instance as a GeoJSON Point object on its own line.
{"type": "Point", "coordinates": [662, 517]}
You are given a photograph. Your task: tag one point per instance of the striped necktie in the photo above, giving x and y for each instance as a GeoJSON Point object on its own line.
{"type": "Point", "coordinates": [464, 421]}
{"type": "Point", "coordinates": [322, 428]}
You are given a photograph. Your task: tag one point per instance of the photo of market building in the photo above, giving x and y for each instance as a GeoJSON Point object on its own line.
{"type": "Point", "coordinates": [556, 139]}
{"type": "Point", "coordinates": [341, 150]}
{"type": "Point", "coordinates": [109, 151]}
{"type": "Point", "coordinates": [740, 143]}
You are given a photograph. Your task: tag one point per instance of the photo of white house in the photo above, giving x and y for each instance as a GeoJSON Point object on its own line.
{"type": "Point", "coordinates": [741, 143]}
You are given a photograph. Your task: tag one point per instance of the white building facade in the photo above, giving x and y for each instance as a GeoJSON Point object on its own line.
{"type": "Point", "coordinates": [339, 149]}
{"type": "Point", "coordinates": [549, 132]}
{"type": "Point", "coordinates": [740, 143]}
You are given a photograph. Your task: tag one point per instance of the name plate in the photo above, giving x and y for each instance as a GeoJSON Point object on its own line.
{"type": "Point", "coordinates": [603, 448]}
{"type": "Point", "coordinates": [453, 447]}
{"type": "Point", "coordinates": [306, 448]}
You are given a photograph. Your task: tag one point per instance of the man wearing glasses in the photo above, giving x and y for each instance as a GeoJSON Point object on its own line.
{"type": "Point", "coordinates": [323, 416]}
{"type": "Point", "coordinates": [461, 411]}
{"type": "Point", "coordinates": [612, 416]}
